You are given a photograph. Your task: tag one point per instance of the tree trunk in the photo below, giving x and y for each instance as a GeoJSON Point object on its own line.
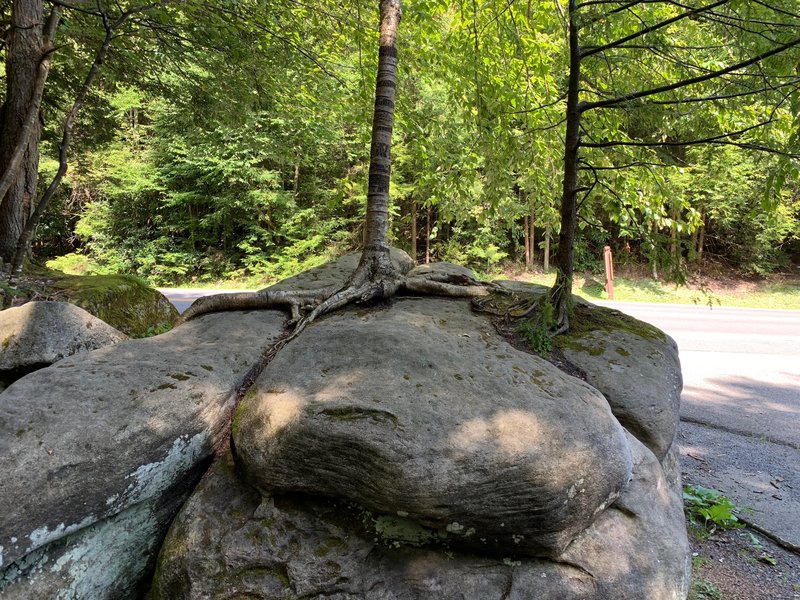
{"type": "Point", "coordinates": [414, 230]}
{"type": "Point", "coordinates": [532, 221]}
{"type": "Point", "coordinates": [527, 233]}
{"type": "Point", "coordinates": [375, 256]}
{"type": "Point", "coordinates": [561, 293]}
{"type": "Point", "coordinates": [701, 238]}
{"type": "Point", "coordinates": [24, 54]}
{"type": "Point", "coordinates": [428, 237]}
{"type": "Point", "coordinates": [546, 258]}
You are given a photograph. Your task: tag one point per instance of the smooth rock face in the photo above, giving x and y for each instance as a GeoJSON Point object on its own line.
{"type": "Point", "coordinates": [38, 334]}
{"type": "Point", "coordinates": [229, 540]}
{"type": "Point", "coordinates": [441, 268]}
{"type": "Point", "coordinates": [634, 365]}
{"type": "Point", "coordinates": [109, 434]}
{"type": "Point", "coordinates": [423, 410]}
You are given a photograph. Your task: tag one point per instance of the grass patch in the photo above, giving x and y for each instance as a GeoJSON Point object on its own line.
{"type": "Point", "coordinates": [761, 294]}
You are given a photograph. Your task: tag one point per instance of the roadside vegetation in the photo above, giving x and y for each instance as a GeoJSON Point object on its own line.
{"type": "Point", "coordinates": [239, 150]}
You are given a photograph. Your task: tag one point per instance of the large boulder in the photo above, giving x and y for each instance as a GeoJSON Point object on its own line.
{"type": "Point", "coordinates": [38, 334]}
{"type": "Point", "coordinates": [98, 451]}
{"type": "Point", "coordinates": [636, 367]}
{"type": "Point", "coordinates": [122, 301]}
{"type": "Point", "coordinates": [230, 541]}
{"type": "Point", "coordinates": [425, 411]}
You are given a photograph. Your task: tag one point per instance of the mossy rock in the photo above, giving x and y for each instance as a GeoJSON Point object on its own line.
{"type": "Point", "coordinates": [123, 301]}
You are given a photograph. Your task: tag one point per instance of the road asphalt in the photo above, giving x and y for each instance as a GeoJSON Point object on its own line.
{"type": "Point", "coordinates": [740, 409]}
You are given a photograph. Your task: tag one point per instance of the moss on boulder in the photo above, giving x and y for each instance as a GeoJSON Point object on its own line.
{"type": "Point", "coordinates": [123, 301]}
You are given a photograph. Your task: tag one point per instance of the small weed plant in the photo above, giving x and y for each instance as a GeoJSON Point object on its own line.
{"type": "Point", "coordinates": [704, 590]}
{"type": "Point", "coordinates": [536, 329]}
{"type": "Point", "coordinates": [709, 508]}
{"type": "Point", "coordinates": [759, 549]}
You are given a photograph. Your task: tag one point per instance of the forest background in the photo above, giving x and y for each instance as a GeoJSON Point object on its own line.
{"type": "Point", "coordinates": [230, 140]}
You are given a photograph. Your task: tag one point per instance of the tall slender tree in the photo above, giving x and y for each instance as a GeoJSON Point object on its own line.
{"type": "Point", "coordinates": [375, 277]}
{"type": "Point", "coordinates": [752, 36]}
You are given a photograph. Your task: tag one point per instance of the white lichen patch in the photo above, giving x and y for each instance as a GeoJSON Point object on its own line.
{"type": "Point", "coordinates": [454, 527]}
{"type": "Point", "coordinates": [154, 478]}
{"type": "Point", "coordinates": [575, 489]}
{"type": "Point", "coordinates": [107, 556]}
{"type": "Point", "coordinates": [44, 535]}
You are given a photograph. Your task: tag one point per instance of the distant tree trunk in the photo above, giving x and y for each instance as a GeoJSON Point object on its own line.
{"type": "Point", "coordinates": [532, 221]}
{"type": "Point", "coordinates": [701, 238]}
{"type": "Point", "coordinates": [428, 237]}
{"type": "Point", "coordinates": [414, 229]}
{"type": "Point", "coordinates": [546, 258]}
{"type": "Point", "coordinates": [561, 292]}
{"type": "Point", "coordinates": [674, 244]}
{"type": "Point", "coordinates": [24, 53]}
{"type": "Point", "coordinates": [527, 235]}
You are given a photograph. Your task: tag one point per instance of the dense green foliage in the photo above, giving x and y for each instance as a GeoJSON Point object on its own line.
{"type": "Point", "coordinates": [231, 140]}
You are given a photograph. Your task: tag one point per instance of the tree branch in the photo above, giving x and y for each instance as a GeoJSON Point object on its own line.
{"type": "Point", "coordinates": [589, 51]}
{"type": "Point", "coordinates": [612, 102]}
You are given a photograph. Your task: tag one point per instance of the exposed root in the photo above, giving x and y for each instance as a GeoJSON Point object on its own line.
{"type": "Point", "coordinates": [294, 301]}
{"type": "Point", "coordinates": [368, 282]}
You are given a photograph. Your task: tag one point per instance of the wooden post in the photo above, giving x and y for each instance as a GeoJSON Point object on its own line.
{"type": "Point", "coordinates": [609, 272]}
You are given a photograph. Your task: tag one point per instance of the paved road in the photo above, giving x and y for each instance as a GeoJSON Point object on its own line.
{"type": "Point", "coordinates": [740, 409]}
{"type": "Point", "coordinates": [182, 298]}
{"type": "Point", "coordinates": [741, 367]}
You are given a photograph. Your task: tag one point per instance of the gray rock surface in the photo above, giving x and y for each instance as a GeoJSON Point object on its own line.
{"type": "Point", "coordinates": [424, 410]}
{"type": "Point", "coordinates": [444, 268]}
{"type": "Point", "coordinates": [229, 540]}
{"type": "Point", "coordinates": [38, 334]}
{"type": "Point", "coordinates": [634, 365]}
{"type": "Point", "coordinates": [114, 433]}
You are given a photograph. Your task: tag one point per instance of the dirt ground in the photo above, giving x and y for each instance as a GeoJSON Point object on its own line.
{"type": "Point", "coordinates": [741, 564]}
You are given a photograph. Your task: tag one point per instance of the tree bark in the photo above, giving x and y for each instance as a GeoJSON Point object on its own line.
{"type": "Point", "coordinates": [375, 255]}
{"type": "Point", "coordinates": [428, 237]}
{"type": "Point", "coordinates": [31, 124]}
{"type": "Point", "coordinates": [414, 230]}
{"type": "Point", "coordinates": [25, 51]}
{"type": "Point", "coordinates": [561, 292]}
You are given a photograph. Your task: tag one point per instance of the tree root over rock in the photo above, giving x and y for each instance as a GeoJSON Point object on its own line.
{"type": "Point", "coordinates": [374, 279]}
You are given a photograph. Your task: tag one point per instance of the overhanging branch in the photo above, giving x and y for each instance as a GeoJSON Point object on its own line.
{"type": "Point", "coordinates": [613, 102]}
{"type": "Point", "coordinates": [642, 32]}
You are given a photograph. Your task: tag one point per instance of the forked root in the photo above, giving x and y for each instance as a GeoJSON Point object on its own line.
{"type": "Point", "coordinates": [360, 288]}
